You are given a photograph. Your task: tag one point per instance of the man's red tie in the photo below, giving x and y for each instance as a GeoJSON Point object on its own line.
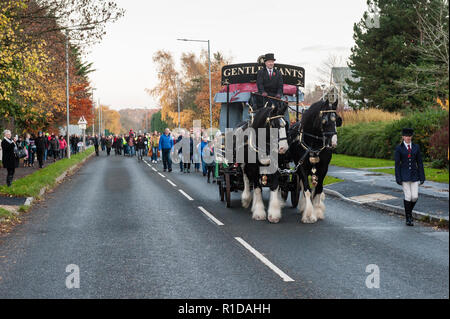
{"type": "Point", "coordinates": [409, 150]}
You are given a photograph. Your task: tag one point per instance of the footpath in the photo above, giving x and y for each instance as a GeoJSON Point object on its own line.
{"type": "Point", "coordinates": [379, 190]}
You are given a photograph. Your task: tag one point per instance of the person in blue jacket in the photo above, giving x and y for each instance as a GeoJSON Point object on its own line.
{"type": "Point", "coordinates": [409, 171]}
{"type": "Point", "coordinates": [165, 146]}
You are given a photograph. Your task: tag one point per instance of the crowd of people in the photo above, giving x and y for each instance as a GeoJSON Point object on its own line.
{"type": "Point", "coordinates": [159, 147]}
{"type": "Point", "coordinates": [30, 148]}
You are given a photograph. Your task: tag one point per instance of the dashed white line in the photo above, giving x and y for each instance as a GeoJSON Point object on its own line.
{"type": "Point", "coordinates": [171, 183]}
{"type": "Point", "coordinates": [264, 260]}
{"type": "Point", "coordinates": [185, 195]}
{"type": "Point", "coordinates": [154, 169]}
{"type": "Point", "coordinates": [214, 219]}
{"type": "Point", "coordinates": [161, 175]}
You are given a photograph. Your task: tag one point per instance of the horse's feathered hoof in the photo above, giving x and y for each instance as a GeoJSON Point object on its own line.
{"type": "Point", "coordinates": [274, 220]}
{"type": "Point", "coordinates": [309, 220]}
{"type": "Point", "coordinates": [259, 217]}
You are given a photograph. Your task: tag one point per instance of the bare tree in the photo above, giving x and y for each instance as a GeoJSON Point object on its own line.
{"type": "Point", "coordinates": [85, 18]}
{"type": "Point", "coordinates": [432, 75]}
{"type": "Point", "coordinates": [324, 70]}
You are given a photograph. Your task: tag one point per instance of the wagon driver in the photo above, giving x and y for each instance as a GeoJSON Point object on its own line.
{"type": "Point", "coordinates": [269, 80]}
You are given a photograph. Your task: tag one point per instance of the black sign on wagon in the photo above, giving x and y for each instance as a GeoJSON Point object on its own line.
{"type": "Point", "coordinates": [246, 73]}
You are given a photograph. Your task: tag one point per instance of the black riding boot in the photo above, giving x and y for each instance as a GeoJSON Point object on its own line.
{"type": "Point", "coordinates": [408, 214]}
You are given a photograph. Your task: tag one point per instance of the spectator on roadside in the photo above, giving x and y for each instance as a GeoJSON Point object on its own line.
{"type": "Point", "coordinates": [108, 144]}
{"type": "Point", "coordinates": [96, 142]}
{"type": "Point", "coordinates": [31, 150]}
{"type": "Point", "coordinates": [9, 159]}
{"type": "Point", "coordinates": [165, 146]}
{"type": "Point", "coordinates": [131, 144]}
{"type": "Point", "coordinates": [409, 171]}
{"type": "Point", "coordinates": [203, 143]}
{"type": "Point", "coordinates": [62, 147]}
{"type": "Point", "coordinates": [47, 145]}
{"type": "Point", "coordinates": [154, 143]}
{"type": "Point", "coordinates": [41, 145]}
{"type": "Point", "coordinates": [54, 146]}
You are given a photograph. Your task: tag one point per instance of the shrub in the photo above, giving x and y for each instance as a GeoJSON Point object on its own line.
{"type": "Point", "coordinates": [439, 147]}
{"type": "Point", "coordinates": [351, 117]}
{"type": "Point", "coordinates": [378, 139]}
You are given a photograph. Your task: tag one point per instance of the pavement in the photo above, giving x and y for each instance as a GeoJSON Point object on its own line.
{"type": "Point", "coordinates": [135, 231]}
{"type": "Point", "coordinates": [380, 190]}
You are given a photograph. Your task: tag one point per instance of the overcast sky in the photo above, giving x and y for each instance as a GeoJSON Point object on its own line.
{"type": "Point", "coordinates": [298, 32]}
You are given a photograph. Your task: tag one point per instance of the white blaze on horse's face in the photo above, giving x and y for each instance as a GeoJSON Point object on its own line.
{"type": "Point", "coordinates": [283, 144]}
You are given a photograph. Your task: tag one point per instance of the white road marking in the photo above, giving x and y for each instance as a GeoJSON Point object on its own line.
{"type": "Point", "coordinates": [214, 219]}
{"type": "Point", "coordinates": [186, 195]}
{"type": "Point", "coordinates": [171, 183]}
{"type": "Point", "coordinates": [264, 260]}
{"type": "Point", "coordinates": [154, 169]}
{"type": "Point", "coordinates": [161, 175]}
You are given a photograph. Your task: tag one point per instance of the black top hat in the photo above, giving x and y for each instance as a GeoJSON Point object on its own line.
{"type": "Point", "coordinates": [407, 132]}
{"type": "Point", "coordinates": [269, 56]}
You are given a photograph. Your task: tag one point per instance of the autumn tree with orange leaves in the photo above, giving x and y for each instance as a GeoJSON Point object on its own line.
{"type": "Point", "coordinates": [32, 59]}
{"type": "Point", "coordinates": [193, 87]}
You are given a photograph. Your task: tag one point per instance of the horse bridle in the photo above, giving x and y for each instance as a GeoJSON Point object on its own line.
{"type": "Point", "coordinates": [322, 138]}
{"type": "Point", "coordinates": [268, 122]}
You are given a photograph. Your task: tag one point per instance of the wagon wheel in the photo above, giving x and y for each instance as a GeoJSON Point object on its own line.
{"type": "Point", "coordinates": [227, 190]}
{"type": "Point", "coordinates": [221, 192]}
{"type": "Point", "coordinates": [295, 193]}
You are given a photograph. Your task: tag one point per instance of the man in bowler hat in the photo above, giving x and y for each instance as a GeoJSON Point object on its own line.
{"type": "Point", "coordinates": [409, 171]}
{"type": "Point", "coordinates": [269, 80]}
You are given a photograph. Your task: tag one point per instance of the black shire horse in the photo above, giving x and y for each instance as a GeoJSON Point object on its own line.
{"type": "Point", "coordinates": [311, 141]}
{"type": "Point", "coordinates": [268, 117]}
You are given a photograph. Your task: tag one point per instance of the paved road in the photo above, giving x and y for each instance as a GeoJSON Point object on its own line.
{"type": "Point", "coordinates": [133, 234]}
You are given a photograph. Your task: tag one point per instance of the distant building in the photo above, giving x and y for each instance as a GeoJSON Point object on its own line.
{"type": "Point", "coordinates": [339, 75]}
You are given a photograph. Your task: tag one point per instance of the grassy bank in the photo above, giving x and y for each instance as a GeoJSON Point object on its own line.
{"type": "Point", "coordinates": [331, 180]}
{"type": "Point", "coordinates": [5, 213]}
{"type": "Point", "coordinates": [359, 162]}
{"type": "Point", "coordinates": [431, 174]}
{"type": "Point", "coordinates": [30, 185]}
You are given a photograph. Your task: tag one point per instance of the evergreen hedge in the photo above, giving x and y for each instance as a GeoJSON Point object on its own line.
{"type": "Point", "coordinates": [378, 139]}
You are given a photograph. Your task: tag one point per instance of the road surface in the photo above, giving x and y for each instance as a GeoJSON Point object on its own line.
{"type": "Point", "coordinates": [136, 232]}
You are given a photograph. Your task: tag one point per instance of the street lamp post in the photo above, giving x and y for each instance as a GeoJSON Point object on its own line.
{"type": "Point", "coordinates": [93, 113]}
{"type": "Point", "coordinates": [67, 91]}
{"type": "Point", "coordinates": [178, 99]}
{"type": "Point", "coordinates": [209, 74]}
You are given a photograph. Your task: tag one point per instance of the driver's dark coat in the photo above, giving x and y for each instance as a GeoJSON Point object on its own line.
{"type": "Point", "coordinates": [271, 85]}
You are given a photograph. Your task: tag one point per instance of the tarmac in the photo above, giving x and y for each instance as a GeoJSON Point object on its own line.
{"type": "Point", "coordinates": [374, 189]}
{"type": "Point", "coordinates": [365, 187]}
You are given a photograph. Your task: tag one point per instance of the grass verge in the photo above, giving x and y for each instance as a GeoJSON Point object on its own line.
{"type": "Point", "coordinates": [31, 185]}
{"type": "Point", "coordinates": [431, 174]}
{"type": "Point", "coordinates": [331, 180]}
{"type": "Point", "coordinates": [5, 213]}
{"type": "Point", "coordinates": [359, 162]}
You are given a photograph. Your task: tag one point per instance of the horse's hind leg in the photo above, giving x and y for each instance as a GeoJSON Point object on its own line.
{"type": "Point", "coordinates": [246, 198]}
{"type": "Point", "coordinates": [306, 208]}
{"type": "Point", "coordinates": [259, 213]}
{"type": "Point", "coordinates": [319, 206]}
{"type": "Point", "coordinates": [275, 206]}
{"type": "Point", "coordinates": [318, 200]}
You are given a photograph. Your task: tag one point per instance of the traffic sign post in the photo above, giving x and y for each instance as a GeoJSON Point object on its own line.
{"type": "Point", "coordinates": [82, 125]}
